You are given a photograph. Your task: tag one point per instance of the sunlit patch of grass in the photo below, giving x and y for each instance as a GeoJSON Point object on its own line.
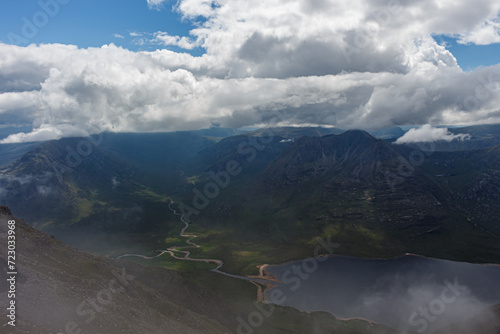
{"type": "Point", "coordinates": [151, 195]}
{"type": "Point", "coordinates": [83, 209]}
{"type": "Point", "coordinates": [245, 253]}
{"type": "Point", "coordinates": [173, 240]}
{"type": "Point", "coordinates": [193, 179]}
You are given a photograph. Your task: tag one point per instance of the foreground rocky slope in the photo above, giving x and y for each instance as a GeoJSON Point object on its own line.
{"type": "Point", "coordinates": [62, 290]}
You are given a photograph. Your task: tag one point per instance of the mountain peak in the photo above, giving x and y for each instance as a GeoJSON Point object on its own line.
{"type": "Point", "coordinates": [357, 134]}
{"type": "Point", "coordinates": [311, 157]}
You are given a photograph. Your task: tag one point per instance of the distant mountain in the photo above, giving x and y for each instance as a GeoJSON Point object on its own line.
{"type": "Point", "coordinates": [376, 198]}
{"type": "Point", "coordinates": [479, 131]}
{"type": "Point", "coordinates": [218, 132]}
{"type": "Point", "coordinates": [346, 178]}
{"type": "Point", "coordinates": [81, 193]}
{"type": "Point", "coordinates": [11, 152]}
{"type": "Point", "coordinates": [251, 151]}
{"type": "Point", "coordinates": [353, 152]}
{"type": "Point", "coordinates": [9, 130]}
{"type": "Point", "coordinates": [181, 143]}
{"type": "Point", "coordinates": [255, 149]}
{"type": "Point", "coordinates": [295, 132]}
{"type": "Point", "coordinates": [389, 133]}
{"type": "Point", "coordinates": [160, 158]}
{"type": "Point", "coordinates": [371, 196]}
{"type": "Point", "coordinates": [156, 151]}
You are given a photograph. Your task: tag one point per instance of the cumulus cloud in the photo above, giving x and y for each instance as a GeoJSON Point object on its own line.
{"type": "Point", "coordinates": [351, 64]}
{"type": "Point", "coordinates": [427, 133]}
{"type": "Point", "coordinates": [487, 32]}
{"type": "Point", "coordinates": [165, 39]}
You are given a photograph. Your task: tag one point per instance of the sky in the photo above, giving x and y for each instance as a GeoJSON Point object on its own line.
{"type": "Point", "coordinates": [74, 67]}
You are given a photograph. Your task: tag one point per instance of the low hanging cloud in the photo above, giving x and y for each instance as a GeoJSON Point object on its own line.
{"type": "Point", "coordinates": [427, 133]}
{"type": "Point", "coordinates": [351, 64]}
{"type": "Point", "coordinates": [46, 132]}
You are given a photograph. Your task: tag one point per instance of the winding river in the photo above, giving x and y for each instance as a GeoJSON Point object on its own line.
{"type": "Point", "coordinates": [409, 293]}
{"type": "Point", "coordinates": [262, 280]}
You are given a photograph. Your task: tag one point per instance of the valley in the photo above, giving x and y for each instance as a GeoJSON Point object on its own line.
{"type": "Point", "coordinates": [223, 207]}
{"type": "Point", "coordinates": [250, 167]}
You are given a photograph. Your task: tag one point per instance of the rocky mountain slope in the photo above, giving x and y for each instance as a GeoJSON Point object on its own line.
{"type": "Point", "coordinates": [372, 196]}
{"type": "Point", "coordinates": [356, 167]}
{"type": "Point", "coordinates": [61, 290]}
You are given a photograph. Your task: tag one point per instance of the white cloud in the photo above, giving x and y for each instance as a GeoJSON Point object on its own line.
{"type": "Point", "coordinates": [351, 64]}
{"type": "Point", "coordinates": [118, 36]}
{"type": "Point", "coordinates": [488, 32]}
{"type": "Point", "coordinates": [205, 8]}
{"type": "Point", "coordinates": [46, 132]}
{"type": "Point", "coordinates": [115, 182]}
{"type": "Point", "coordinates": [17, 100]}
{"type": "Point", "coordinates": [45, 190]}
{"type": "Point", "coordinates": [156, 4]}
{"type": "Point", "coordinates": [165, 39]}
{"type": "Point", "coordinates": [427, 133]}
{"type": "Point", "coordinates": [13, 185]}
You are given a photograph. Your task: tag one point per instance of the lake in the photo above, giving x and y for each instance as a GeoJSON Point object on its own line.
{"type": "Point", "coordinates": [406, 293]}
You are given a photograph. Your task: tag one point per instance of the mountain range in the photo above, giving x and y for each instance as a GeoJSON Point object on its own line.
{"type": "Point", "coordinates": [294, 184]}
{"type": "Point", "coordinates": [263, 196]}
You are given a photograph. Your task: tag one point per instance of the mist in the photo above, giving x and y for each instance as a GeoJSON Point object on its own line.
{"type": "Point", "coordinates": [410, 293]}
